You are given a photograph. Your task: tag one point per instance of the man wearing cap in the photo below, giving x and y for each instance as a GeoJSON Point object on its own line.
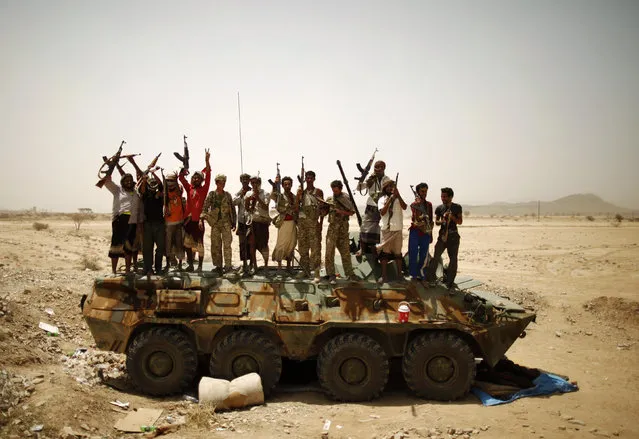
{"type": "Point", "coordinates": [285, 222]}
{"type": "Point", "coordinates": [196, 193]}
{"type": "Point", "coordinates": [370, 231]}
{"type": "Point", "coordinates": [340, 210]}
{"type": "Point", "coordinates": [256, 205]}
{"type": "Point", "coordinates": [392, 212]}
{"type": "Point", "coordinates": [242, 228]}
{"type": "Point", "coordinates": [309, 225]}
{"type": "Point", "coordinates": [152, 194]}
{"type": "Point", "coordinates": [174, 219]}
{"type": "Point", "coordinates": [123, 196]}
{"type": "Point", "coordinates": [219, 212]}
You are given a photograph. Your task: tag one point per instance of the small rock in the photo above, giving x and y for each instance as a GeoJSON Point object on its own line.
{"type": "Point", "coordinates": [85, 427]}
{"type": "Point", "coordinates": [37, 428]}
{"type": "Point", "coordinates": [561, 427]}
{"type": "Point", "coordinates": [588, 333]}
{"type": "Point", "coordinates": [577, 422]}
{"type": "Point", "coordinates": [557, 334]}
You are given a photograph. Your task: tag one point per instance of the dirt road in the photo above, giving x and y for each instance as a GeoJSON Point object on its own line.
{"type": "Point", "coordinates": [581, 277]}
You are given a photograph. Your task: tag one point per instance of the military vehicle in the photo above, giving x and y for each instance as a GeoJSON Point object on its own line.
{"type": "Point", "coordinates": [168, 325]}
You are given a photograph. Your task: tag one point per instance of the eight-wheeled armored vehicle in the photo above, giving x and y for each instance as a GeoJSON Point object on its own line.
{"type": "Point", "coordinates": [167, 324]}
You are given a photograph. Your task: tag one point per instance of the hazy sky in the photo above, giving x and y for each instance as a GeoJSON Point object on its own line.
{"type": "Point", "coordinates": [501, 100]}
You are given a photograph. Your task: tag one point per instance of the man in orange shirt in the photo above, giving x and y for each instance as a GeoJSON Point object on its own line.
{"type": "Point", "coordinates": [174, 217]}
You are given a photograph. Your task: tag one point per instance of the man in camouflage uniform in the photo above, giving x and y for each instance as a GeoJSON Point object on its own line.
{"type": "Point", "coordinates": [309, 225]}
{"type": "Point", "coordinates": [219, 212]}
{"type": "Point", "coordinates": [341, 209]}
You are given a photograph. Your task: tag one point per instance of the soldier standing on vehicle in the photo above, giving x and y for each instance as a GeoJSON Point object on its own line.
{"type": "Point", "coordinates": [448, 215]}
{"type": "Point", "coordinates": [340, 210]}
{"type": "Point", "coordinates": [285, 222]}
{"type": "Point", "coordinates": [194, 227]}
{"type": "Point", "coordinates": [219, 212]}
{"type": "Point", "coordinates": [420, 232]}
{"type": "Point", "coordinates": [242, 228]}
{"type": "Point", "coordinates": [370, 232]}
{"type": "Point", "coordinates": [309, 225]}
{"type": "Point", "coordinates": [256, 205]}
{"type": "Point", "coordinates": [392, 213]}
{"type": "Point", "coordinates": [152, 194]}
{"type": "Point", "coordinates": [174, 219]}
{"type": "Point", "coordinates": [123, 196]}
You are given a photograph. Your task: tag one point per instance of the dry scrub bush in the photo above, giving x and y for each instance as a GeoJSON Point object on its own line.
{"type": "Point", "coordinates": [90, 262]}
{"type": "Point", "coordinates": [618, 217]}
{"type": "Point", "coordinates": [40, 226]}
{"type": "Point", "coordinates": [590, 218]}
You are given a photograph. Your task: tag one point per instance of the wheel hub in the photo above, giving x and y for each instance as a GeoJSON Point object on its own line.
{"type": "Point", "coordinates": [353, 371]}
{"type": "Point", "coordinates": [244, 364]}
{"type": "Point", "coordinates": [160, 364]}
{"type": "Point", "coordinates": [440, 369]}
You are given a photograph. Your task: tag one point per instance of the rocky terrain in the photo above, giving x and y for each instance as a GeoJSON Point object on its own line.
{"type": "Point", "coordinates": [580, 276]}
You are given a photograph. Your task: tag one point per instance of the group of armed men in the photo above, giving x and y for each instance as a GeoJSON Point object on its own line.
{"type": "Point", "coordinates": [151, 215]}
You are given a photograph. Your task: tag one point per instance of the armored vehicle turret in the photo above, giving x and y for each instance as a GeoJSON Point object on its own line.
{"type": "Point", "coordinates": [167, 324]}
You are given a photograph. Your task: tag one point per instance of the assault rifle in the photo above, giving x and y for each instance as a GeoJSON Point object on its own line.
{"type": "Point", "coordinates": [110, 164]}
{"type": "Point", "coordinates": [301, 178]}
{"type": "Point", "coordinates": [393, 198]}
{"type": "Point", "coordinates": [184, 158]}
{"type": "Point", "coordinates": [364, 171]}
{"type": "Point", "coordinates": [350, 194]}
{"type": "Point", "coordinates": [277, 187]}
{"type": "Point", "coordinates": [151, 168]}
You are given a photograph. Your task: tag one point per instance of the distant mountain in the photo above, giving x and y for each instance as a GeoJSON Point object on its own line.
{"type": "Point", "coordinates": [577, 204]}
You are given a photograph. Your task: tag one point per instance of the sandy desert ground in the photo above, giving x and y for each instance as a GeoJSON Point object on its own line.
{"type": "Point", "coordinates": [581, 277]}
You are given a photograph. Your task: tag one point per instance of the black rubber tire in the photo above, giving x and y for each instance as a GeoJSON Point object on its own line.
{"type": "Point", "coordinates": [161, 361]}
{"type": "Point", "coordinates": [439, 366]}
{"type": "Point", "coordinates": [255, 352]}
{"type": "Point", "coordinates": [362, 358]}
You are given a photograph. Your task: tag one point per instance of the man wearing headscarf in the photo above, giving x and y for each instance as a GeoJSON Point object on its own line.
{"type": "Point", "coordinates": [174, 217]}
{"type": "Point", "coordinates": [219, 212]}
{"type": "Point", "coordinates": [370, 232]}
{"type": "Point", "coordinates": [242, 227]}
{"type": "Point", "coordinates": [285, 222]}
{"type": "Point", "coordinates": [152, 194]}
{"type": "Point", "coordinates": [256, 204]}
{"type": "Point", "coordinates": [123, 198]}
{"type": "Point", "coordinates": [194, 228]}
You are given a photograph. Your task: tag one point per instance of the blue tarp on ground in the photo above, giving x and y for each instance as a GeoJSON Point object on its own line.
{"type": "Point", "coordinates": [545, 384]}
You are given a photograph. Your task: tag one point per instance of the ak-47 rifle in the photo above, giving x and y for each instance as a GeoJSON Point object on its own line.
{"type": "Point", "coordinates": [301, 178]}
{"type": "Point", "coordinates": [364, 171]}
{"type": "Point", "coordinates": [184, 158]}
{"type": "Point", "coordinates": [390, 207]}
{"type": "Point", "coordinates": [165, 199]}
{"type": "Point", "coordinates": [151, 168]}
{"type": "Point", "coordinates": [350, 194]}
{"type": "Point", "coordinates": [277, 187]}
{"type": "Point", "coordinates": [110, 164]}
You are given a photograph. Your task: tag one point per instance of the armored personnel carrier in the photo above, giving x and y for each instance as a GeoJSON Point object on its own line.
{"type": "Point", "coordinates": [168, 325]}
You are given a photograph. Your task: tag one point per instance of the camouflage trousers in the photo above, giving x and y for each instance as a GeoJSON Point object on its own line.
{"type": "Point", "coordinates": [221, 238]}
{"type": "Point", "coordinates": [337, 237]}
{"type": "Point", "coordinates": [309, 240]}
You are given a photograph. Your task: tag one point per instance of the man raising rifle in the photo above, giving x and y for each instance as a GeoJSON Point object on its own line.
{"type": "Point", "coordinates": [309, 225]}
{"type": "Point", "coordinates": [370, 231]}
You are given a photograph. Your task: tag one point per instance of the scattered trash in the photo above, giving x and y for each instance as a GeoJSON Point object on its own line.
{"type": "Point", "coordinates": [132, 422]}
{"type": "Point", "coordinates": [145, 428]}
{"type": "Point", "coordinates": [78, 352]}
{"type": "Point", "coordinates": [49, 311]}
{"type": "Point", "coordinates": [325, 428]}
{"type": "Point", "coordinates": [190, 398]}
{"type": "Point", "coordinates": [50, 329]}
{"type": "Point", "coordinates": [37, 428]}
{"type": "Point", "coordinates": [123, 405]}
{"type": "Point", "coordinates": [374, 416]}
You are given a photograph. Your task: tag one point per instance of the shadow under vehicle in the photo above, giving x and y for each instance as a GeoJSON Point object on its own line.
{"type": "Point", "coordinates": [167, 324]}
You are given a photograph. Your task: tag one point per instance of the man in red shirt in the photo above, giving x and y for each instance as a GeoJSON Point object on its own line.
{"type": "Point", "coordinates": [196, 193]}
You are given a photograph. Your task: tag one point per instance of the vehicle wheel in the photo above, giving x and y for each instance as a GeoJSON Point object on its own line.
{"type": "Point", "coordinates": [439, 366]}
{"type": "Point", "coordinates": [161, 361]}
{"type": "Point", "coordinates": [352, 367]}
{"type": "Point", "coordinates": [243, 352]}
